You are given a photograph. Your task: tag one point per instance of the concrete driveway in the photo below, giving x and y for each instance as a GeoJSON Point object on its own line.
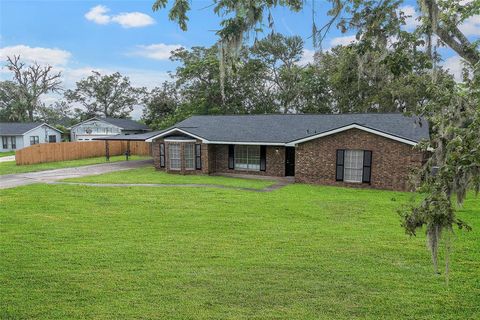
{"type": "Point", "coordinates": [21, 179]}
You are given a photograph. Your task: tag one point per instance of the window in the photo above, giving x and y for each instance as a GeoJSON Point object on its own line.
{"type": "Point", "coordinates": [189, 156]}
{"type": "Point", "coordinates": [34, 140]}
{"type": "Point", "coordinates": [353, 165]}
{"type": "Point", "coordinates": [247, 158]}
{"type": "Point", "coordinates": [5, 142]}
{"type": "Point", "coordinates": [14, 142]}
{"type": "Point", "coordinates": [198, 156]}
{"type": "Point", "coordinates": [174, 156]}
{"type": "Point", "coordinates": [52, 138]}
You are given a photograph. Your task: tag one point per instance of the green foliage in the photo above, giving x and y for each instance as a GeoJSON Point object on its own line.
{"type": "Point", "coordinates": [104, 95]}
{"type": "Point", "coordinates": [160, 104]}
{"type": "Point", "coordinates": [58, 113]}
{"type": "Point", "coordinates": [453, 167]}
{"type": "Point", "coordinates": [12, 108]}
{"type": "Point", "coordinates": [20, 98]}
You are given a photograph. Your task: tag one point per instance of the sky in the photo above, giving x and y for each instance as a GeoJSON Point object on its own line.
{"type": "Point", "coordinates": [77, 37]}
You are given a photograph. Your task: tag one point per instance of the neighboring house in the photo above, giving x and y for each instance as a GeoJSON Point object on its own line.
{"type": "Point", "coordinates": [365, 150]}
{"type": "Point", "coordinates": [15, 136]}
{"type": "Point", "coordinates": [99, 127]}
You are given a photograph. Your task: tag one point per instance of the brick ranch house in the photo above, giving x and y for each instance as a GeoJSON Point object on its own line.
{"type": "Point", "coordinates": [361, 150]}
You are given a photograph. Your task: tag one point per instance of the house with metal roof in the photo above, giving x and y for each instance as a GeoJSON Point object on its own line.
{"type": "Point", "coordinates": [363, 150]}
{"type": "Point", "coordinates": [16, 135]}
{"type": "Point", "coordinates": [98, 127]}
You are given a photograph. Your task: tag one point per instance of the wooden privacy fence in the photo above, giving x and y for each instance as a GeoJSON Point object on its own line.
{"type": "Point", "coordinates": [51, 152]}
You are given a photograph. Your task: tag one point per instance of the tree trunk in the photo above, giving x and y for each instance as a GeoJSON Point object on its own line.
{"type": "Point", "coordinates": [454, 38]}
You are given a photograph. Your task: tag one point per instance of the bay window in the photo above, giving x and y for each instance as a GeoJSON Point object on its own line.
{"type": "Point", "coordinates": [189, 156]}
{"type": "Point", "coordinates": [174, 156]}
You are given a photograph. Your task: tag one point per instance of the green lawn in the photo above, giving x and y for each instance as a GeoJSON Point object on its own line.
{"type": "Point", "coordinates": [300, 252]}
{"type": "Point", "coordinates": [150, 175]}
{"type": "Point", "coordinates": [11, 167]}
{"type": "Point", "coordinates": [7, 153]}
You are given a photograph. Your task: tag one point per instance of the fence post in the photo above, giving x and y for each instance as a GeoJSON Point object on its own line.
{"type": "Point", "coordinates": [107, 150]}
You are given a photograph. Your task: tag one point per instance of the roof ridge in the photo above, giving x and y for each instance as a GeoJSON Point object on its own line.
{"type": "Point", "coordinates": [298, 114]}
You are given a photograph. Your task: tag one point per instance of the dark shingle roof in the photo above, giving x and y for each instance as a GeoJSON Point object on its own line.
{"type": "Point", "coordinates": [283, 129]}
{"type": "Point", "coordinates": [131, 137]}
{"type": "Point", "coordinates": [286, 128]}
{"type": "Point", "coordinates": [17, 128]}
{"type": "Point", "coordinates": [126, 124]}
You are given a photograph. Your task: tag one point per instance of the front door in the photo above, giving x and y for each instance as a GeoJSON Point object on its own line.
{"type": "Point", "coordinates": [289, 161]}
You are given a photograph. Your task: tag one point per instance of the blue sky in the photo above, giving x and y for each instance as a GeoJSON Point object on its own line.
{"type": "Point", "coordinates": [126, 36]}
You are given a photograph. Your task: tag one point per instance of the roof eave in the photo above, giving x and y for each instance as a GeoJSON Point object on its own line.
{"type": "Point", "coordinates": [353, 126]}
{"type": "Point", "coordinates": [43, 124]}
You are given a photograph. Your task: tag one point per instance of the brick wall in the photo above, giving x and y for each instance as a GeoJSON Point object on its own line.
{"type": "Point", "coordinates": [275, 157]}
{"type": "Point", "coordinates": [156, 157]}
{"type": "Point", "coordinates": [315, 161]}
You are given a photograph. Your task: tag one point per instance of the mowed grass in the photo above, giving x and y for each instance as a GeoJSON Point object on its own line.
{"type": "Point", "coordinates": [150, 175]}
{"type": "Point", "coordinates": [11, 167]}
{"type": "Point", "coordinates": [7, 154]}
{"type": "Point", "coordinates": [300, 252]}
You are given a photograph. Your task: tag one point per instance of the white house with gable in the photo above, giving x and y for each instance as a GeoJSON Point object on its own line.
{"type": "Point", "coordinates": [18, 135]}
{"type": "Point", "coordinates": [100, 127]}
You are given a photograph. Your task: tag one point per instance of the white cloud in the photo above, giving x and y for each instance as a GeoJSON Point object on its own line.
{"type": "Point", "coordinates": [307, 57]}
{"type": "Point", "coordinates": [51, 56]}
{"type": "Point", "coordinates": [471, 26]}
{"type": "Point", "coordinates": [454, 65]}
{"type": "Point", "coordinates": [157, 51]}
{"type": "Point", "coordinates": [344, 41]}
{"type": "Point", "coordinates": [133, 19]}
{"type": "Point", "coordinates": [98, 14]}
{"type": "Point", "coordinates": [411, 21]}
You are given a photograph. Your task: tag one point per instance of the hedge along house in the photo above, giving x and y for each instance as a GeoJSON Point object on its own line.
{"type": "Point", "coordinates": [362, 150]}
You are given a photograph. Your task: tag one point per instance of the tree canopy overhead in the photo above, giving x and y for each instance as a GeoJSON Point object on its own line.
{"type": "Point", "coordinates": [367, 18]}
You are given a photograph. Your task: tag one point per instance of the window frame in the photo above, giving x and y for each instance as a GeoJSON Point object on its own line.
{"type": "Point", "coordinates": [247, 157]}
{"type": "Point", "coordinates": [4, 142]}
{"type": "Point", "coordinates": [162, 155]}
{"type": "Point", "coordinates": [198, 156]}
{"type": "Point", "coordinates": [171, 157]}
{"type": "Point", "coordinates": [50, 136]}
{"type": "Point", "coordinates": [189, 158]}
{"type": "Point", "coordinates": [353, 163]}
{"type": "Point", "coordinates": [13, 142]}
{"type": "Point", "coordinates": [36, 140]}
